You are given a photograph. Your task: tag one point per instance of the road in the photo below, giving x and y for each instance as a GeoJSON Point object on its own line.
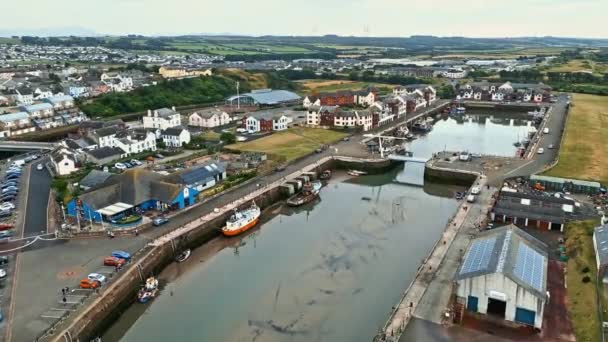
{"type": "Point", "coordinates": [37, 201]}
{"type": "Point", "coordinates": [555, 123]}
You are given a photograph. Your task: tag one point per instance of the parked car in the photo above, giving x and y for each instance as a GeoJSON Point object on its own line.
{"type": "Point", "coordinates": [475, 190]}
{"type": "Point", "coordinates": [120, 166]}
{"type": "Point", "coordinates": [86, 283]}
{"type": "Point", "coordinates": [546, 130]}
{"type": "Point", "coordinates": [39, 167]}
{"type": "Point", "coordinates": [159, 221]}
{"type": "Point", "coordinates": [550, 146]}
{"type": "Point", "coordinates": [9, 184]}
{"type": "Point", "coordinates": [9, 188]}
{"type": "Point", "coordinates": [540, 150]}
{"type": "Point", "coordinates": [2, 273]}
{"type": "Point", "coordinates": [113, 261]}
{"type": "Point", "coordinates": [12, 176]}
{"type": "Point", "coordinates": [4, 260]}
{"type": "Point", "coordinates": [28, 159]}
{"type": "Point", "coordinates": [122, 254]}
{"type": "Point", "coordinates": [7, 205]}
{"type": "Point", "coordinates": [136, 162]}
{"type": "Point", "coordinates": [159, 156]}
{"type": "Point", "coordinates": [128, 165]}
{"type": "Point", "coordinates": [8, 197]}
{"type": "Point", "coordinates": [97, 277]}
{"type": "Point", "coordinates": [14, 170]}
{"type": "Point", "coordinates": [345, 139]}
{"type": "Point", "coordinates": [35, 156]}
{"type": "Point", "coordinates": [6, 234]}
{"type": "Point", "coordinates": [471, 198]}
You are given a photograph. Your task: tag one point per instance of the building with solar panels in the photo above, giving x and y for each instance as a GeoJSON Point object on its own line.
{"type": "Point", "coordinates": [264, 97]}
{"type": "Point", "coordinates": [504, 274]}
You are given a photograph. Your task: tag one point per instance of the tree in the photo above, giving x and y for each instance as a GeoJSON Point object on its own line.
{"type": "Point", "coordinates": [228, 138]}
{"type": "Point", "coordinates": [446, 92]}
{"type": "Point", "coordinates": [54, 78]}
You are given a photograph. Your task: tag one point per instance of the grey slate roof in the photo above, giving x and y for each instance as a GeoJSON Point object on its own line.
{"type": "Point", "coordinates": [540, 207]}
{"type": "Point", "coordinates": [173, 131]}
{"type": "Point", "coordinates": [199, 174]}
{"type": "Point", "coordinates": [134, 187]}
{"type": "Point", "coordinates": [510, 251]}
{"type": "Point", "coordinates": [106, 131]}
{"type": "Point", "coordinates": [14, 117]}
{"type": "Point", "coordinates": [601, 244]}
{"type": "Point", "coordinates": [105, 152]}
{"type": "Point", "coordinates": [165, 112]}
{"type": "Point", "coordinates": [94, 178]}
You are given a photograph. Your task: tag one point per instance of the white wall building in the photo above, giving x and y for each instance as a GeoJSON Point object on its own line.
{"type": "Point", "coordinates": [64, 161]}
{"type": "Point", "coordinates": [175, 136]}
{"type": "Point", "coordinates": [209, 118]}
{"type": "Point", "coordinates": [137, 143]}
{"type": "Point", "coordinates": [311, 101]}
{"type": "Point", "coordinates": [504, 274]}
{"type": "Point", "coordinates": [162, 119]}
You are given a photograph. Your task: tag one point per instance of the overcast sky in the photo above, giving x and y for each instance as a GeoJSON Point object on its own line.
{"type": "Point", "coordinates": [474, 18]}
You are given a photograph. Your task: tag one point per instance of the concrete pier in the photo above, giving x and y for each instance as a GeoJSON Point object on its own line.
{"type": "Point", "coordinates": [429, 294]}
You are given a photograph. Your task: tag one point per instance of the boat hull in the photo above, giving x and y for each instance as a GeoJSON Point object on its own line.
{"type": "Point", "coordinates": [299, 200]}
{"type": "Point", "coordinates": [241, 230]}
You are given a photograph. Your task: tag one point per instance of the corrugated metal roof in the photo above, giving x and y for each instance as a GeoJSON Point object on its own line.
{"type": "Point", "coordinates": [601, 244]}
{"type": "Point", "coordinates": [59, 99]}
{"type": "Point", "coordinates": [564, 180]}
{"type": "Point", "coordinates": [269, 96]}
{"type": "Point", "coordinates": [512, 252]}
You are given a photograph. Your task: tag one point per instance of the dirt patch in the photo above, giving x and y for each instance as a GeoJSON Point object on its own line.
{"type": "Point", "coordinates": [70, 273]}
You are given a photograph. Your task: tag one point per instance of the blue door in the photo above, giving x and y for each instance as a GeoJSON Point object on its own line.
{"type": "Point", "coordinates": [472, 303]}
{"type": "Point", "coordinates": [524, 316]}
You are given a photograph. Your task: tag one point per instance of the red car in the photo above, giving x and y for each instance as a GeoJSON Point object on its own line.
{"type": "Point", "coordinates": [5, 226]}
{"type": "Point", "coordinates": [113, 261]}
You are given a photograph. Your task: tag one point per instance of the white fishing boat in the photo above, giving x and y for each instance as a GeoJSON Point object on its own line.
{"type": "Point", "coordinates": [242, 220]}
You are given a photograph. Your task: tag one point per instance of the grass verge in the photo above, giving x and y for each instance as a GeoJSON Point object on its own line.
{"type": "Point", "coordinates": [582, 294]}
{"type": "Point", "coordinates": [585, 146]}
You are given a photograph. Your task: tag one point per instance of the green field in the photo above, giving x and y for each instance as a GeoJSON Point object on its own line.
{"type": "Point", "coordinates": [585, 146]}
{"type": "Point", "coordinates": [5, 40]}
{"type": "Point", "coordinates": [320, 86]}
{"type": "Point", "coordinates": [582, 296]}
{"type": "Point", "coordinates": [291, 144]}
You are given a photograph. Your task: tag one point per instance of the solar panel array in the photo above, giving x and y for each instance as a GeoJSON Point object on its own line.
{"type": "Point", "coordinates": [478, 256]}
{"type": "Point", "coordinates": [529, 266]}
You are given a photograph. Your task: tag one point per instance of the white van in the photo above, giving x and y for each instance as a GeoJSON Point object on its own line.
{"type": "Point", "coordinates": [546, 130]}
{"type": "Point", "coordinates": [471, 198]}
{"type": "Point", "coordinates": [475, 190]}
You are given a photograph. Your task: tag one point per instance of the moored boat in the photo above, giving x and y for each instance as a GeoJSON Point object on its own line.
{"type": "Point", "coordinates": [309, 192]}
{"type": "Point", "coordinates": [325, 175]}
{"type": "Point", "coordinates": [356, 173]}
{"type": "Point", "coordinates": [149, 290]}
{"type": "Point", "coordinates": [242, 220]}
{"type": "Point", "coordinates": [422, 127]}
{"type": "Point", "coordinates": [183, 256]}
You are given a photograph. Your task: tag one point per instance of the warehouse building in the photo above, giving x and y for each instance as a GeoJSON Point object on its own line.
{"type": "Point", "coordinates": [532, 210]}
{"type": "Point", "coordinates": [566, 184]}
{"type": "Point", "coordinates": [504, 274]}
{"type": "Point", "coordinates": [264, 97]}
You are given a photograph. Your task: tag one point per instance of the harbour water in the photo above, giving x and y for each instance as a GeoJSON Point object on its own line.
{"type": "Point", "coordinates": [328, 271]}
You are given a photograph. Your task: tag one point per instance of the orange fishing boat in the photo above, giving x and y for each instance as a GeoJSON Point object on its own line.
{"type": "Point", "coordinates": [242, 220]}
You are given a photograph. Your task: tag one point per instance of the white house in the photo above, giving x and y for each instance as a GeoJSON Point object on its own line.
{"type": "Point", "coordinates": [311, 101]}
{"type": "Point", "coordinates": [78, 91]}
{"type": "Point", "coordinates": [117, 82]}
{"type": "Point", "coordinates": [454, 73]}
{"type": "Point", "coordinates": [64, 161]}
{"type": "Point", "coordinates": [365, 98]}
{"type": "Point", "coordinates": [175, 136]}
{"type": "Point", "coordinates": [209, 118]}
{"type": "Point", "coordinates": [137, 142]}
{"type": "Point", "coordinates": [353, 119]}
{"type": "Point", "coordinates": [25, 99]}
{"type": "Point", "coordinates": [162, 119]}
{"type": "Point", "coordinates": [264, 121]}
{"type": "Point", "coordinates": [506, 88]}
{"type": "Point", "coordinates": [504, 274]}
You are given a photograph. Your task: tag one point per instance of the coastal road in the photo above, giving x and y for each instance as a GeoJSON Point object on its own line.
{"type": "Point", "coordinates": [37, 200]}
{"type": "Point", "coordinates": [556, 124]}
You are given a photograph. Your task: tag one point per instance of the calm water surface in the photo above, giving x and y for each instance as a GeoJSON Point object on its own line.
{"type": "Point", "coordinates": [328, 272]}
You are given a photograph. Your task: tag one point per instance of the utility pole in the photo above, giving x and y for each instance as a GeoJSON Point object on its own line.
{"type": "Point", "coordinates": [238, 98]}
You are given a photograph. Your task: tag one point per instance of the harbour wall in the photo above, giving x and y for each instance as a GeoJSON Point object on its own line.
{"type": "Point", "coordinates": [100, 311]}
{"type": "Point", "coordinates": [449, 176]}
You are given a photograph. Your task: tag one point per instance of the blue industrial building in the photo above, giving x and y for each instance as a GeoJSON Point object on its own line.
{"type": "Point", "coordinates": [132, 192]}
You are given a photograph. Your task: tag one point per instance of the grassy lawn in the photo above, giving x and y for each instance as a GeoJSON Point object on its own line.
{"type": "Point", "coordinates": [585, 146]}
{"type": "Point", "coordinates": [211, 135]}
{"type": "Point", "coordinates": [291, 144]}
{"type": "Point", "coordinates": [581, 296]}
{"type": "Point", "coordinates": [321, 86]}
{"type": "Point", "coordinates": [575, 65]}
{"type": "Point", "coordinates": [255, 80]}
